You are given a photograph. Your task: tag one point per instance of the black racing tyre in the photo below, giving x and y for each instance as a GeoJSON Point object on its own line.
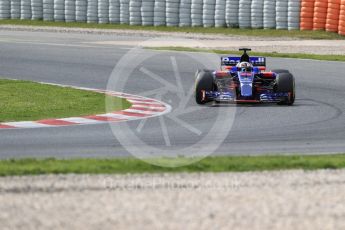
{"type": "Point", "coordinates": [286, 84]}
{"type": "Point", "coordinates": [203, 82]}
{"type": "Point", "coordinates": [280, 71]}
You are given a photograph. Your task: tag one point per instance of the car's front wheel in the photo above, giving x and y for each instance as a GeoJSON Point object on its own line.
{"type": "Point", "coordinates": [203, 84]}
{"type": "Point", "coordinates": [286, 84]}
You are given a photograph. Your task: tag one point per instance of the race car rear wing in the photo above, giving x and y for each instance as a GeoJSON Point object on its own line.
{"type": "Point", "coordinates": [233, 61]}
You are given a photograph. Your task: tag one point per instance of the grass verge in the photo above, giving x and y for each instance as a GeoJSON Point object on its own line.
{"type": "Point", "coordinates": [265, 54]}
{"type": "Point", "coordinates": [132, 165]}
{"type": "Point", "coordinates": [27, 101]}
{"type": "Point", "coordinates": [225, 31]}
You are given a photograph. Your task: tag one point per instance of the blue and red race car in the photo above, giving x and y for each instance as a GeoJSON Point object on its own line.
{"type": "Point", "coordinates": [245, 80]}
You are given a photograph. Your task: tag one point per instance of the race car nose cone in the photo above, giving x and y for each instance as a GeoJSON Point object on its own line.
{"type": "Point", "coordinates": [246, 90]}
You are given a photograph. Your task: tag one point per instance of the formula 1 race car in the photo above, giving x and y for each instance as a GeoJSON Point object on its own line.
{"type": "Point", "coordinates": [245, 80]}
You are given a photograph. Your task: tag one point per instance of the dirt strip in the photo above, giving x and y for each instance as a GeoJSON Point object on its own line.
{"type": "Point", "coordinates": [137, 33]}
{"type": "Point", "coordinates": [267, 200]}
{"type": "Point", "coordinates": [211, 41]}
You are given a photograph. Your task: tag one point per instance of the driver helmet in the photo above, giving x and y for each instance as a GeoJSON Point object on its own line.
{"type": "Point", "coordinates": [244, 67]}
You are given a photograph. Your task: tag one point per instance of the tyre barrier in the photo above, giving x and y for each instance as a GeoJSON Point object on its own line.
{"type": "Point", "coordinates": [81, 10]}
{"type": "Point", "coordinates": [70, 10]}
{"type": "Point", "coordinates": [48, 10]}
{"type": "Point", "coordinates": [103, 11]}
{"type": "Point", "coordinates": [159, 15]}
{"type": "Point", "coordinates": [269, 15]}
{"type": "Point", "coordinates": [231, 13]}
{"type": "Point", "coordinates": [124, 11]}
{"type": "Point", "coordinates": [307, 14]}
{"type": "Point", "coordinates": [59, 10]}
{"type": "Point", "coordinates": [37, 9]}
{"type": "Point", "coordinates": [185, 13]}
{"type": "Point", "coordinates": [25, 9]}
{"type": "Point", "coordinates": [196, 12]}
{"type": "Point", "coordinates": [135, 12]}
{"type": "Point", "coordinates": [114, 11]}
{"type": "Point", "coordinates": [147, 12]}
{"type": "Point", "coordinates": [282, 14]}
{"type": "Point", "coordinates": [172, 12]}
{"type": "Point", "coordinates": [15, 9]}
{"type": "Point", "coordinates": [92, 11]}
{"type": "Point", "coordinates": [219, 14]}
{"type": "Point", "coordinates": [257, 14]}
{"type": "Point", "coordinates": [208, 11]}
{"type": "Point", "coordinates": [244, 14]}
{"type": "Point", "coordinates": [320, 14]}
{"type": "Point", "coordinates": [341, 27]}
{"type": "Point", "coordinates": [5, 9]}
{"type": "Point", "coordinates": [294, 14]}
{"type": "Point", "coordinates": [326, 15]}
{"type": "Point", "coordinates": [333, 12]}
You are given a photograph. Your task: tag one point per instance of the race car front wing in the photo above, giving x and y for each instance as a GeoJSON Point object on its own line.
{"type": "Point", "coordinates": [231, 97]}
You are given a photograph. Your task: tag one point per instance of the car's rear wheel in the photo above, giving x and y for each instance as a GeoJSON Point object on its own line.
{"type": "Point", "coordinates": [203, 83]}
{"type": "Point", "coordinates": [286, 84]}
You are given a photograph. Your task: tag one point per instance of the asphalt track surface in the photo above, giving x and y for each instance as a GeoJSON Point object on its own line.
{"type": "Point", "coordinates": [315, 124]}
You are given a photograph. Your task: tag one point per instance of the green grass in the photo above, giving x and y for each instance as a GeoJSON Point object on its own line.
{"type": "Point", "coordinates": [26, 101]}
{"type": "Point", "coordinates": [226, 31]}
{"type": "Point", "coordinates": [265, 54]}
{"type": "Point", "coordinates": [132, 165]}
